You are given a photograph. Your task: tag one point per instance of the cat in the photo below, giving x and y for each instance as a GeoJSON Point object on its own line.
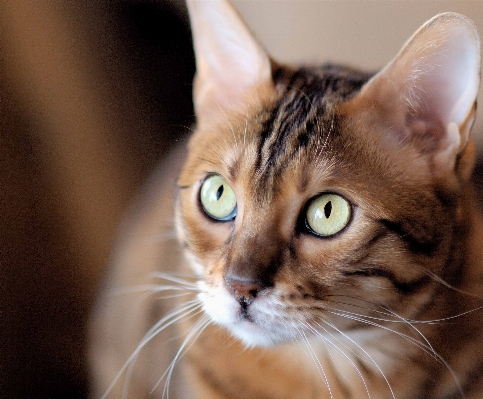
{"type": "Point", "coordinates": [317, 238]}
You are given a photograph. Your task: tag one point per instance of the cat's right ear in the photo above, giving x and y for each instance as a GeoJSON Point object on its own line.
{"type": "Point", "coordinates": [230, 63]}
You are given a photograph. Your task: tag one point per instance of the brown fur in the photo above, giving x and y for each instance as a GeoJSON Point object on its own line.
{"type": "Point", "coordinates": [397, 294]}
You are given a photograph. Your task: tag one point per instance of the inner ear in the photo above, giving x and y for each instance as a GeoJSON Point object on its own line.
{"type": "Point", "coordinates": [431, 86]}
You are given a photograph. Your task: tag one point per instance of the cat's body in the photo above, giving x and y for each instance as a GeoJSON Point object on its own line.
{"type": "Point", "coordinates": [382, 303]}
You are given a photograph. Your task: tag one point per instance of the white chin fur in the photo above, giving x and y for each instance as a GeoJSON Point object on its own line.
{"type": "Point", "coordinates": [263, 331]}
{"type": "Point", "coordinates": [251, 335]}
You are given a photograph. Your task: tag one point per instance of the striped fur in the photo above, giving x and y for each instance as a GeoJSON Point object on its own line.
{"type": "Point", "coordinates": [390, 307]}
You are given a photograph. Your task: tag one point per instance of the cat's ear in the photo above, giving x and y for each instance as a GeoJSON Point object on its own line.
{"type": "Point", "coordinates": [230, 63]}
{"type": "Point", "coordinates": [433, 83]}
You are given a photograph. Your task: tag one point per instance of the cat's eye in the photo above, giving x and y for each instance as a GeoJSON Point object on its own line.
{"type": "Point", "coordinates": [328, 214]}
{"type": "Point", "coordinates": [218, 199]}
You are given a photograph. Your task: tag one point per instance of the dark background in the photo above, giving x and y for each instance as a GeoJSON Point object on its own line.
{"type": "Point", "coordinates": [92, 95]}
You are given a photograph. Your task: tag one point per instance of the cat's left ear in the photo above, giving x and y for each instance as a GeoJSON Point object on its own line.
{"type": "Point", "coordinates": [433, 83]}
{"type": "Point", "coordinates": [230, 63]}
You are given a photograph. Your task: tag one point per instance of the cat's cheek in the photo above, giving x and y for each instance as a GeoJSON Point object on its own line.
{"type": "Point", "coordinates": [219, 305]}
{"type": "Point", "coordinates": [193, 262]}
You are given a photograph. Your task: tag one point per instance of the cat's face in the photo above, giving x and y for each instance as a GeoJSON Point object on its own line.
{"type": "Point", "coordinates": [307, 218]}
{"type": "Point", "coordinates": [312, 201]}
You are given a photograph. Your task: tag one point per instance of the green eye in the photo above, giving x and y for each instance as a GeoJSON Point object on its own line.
{"type": "Point", "coordinates": [328, 214]}
{"type": "Point", "coordinates": [218, 199]}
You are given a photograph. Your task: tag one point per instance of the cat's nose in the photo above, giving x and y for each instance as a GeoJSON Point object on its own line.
{"type": "Point", "coordinates": [243, 290]}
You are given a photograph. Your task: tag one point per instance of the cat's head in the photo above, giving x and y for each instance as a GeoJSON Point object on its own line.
{"type": "Point", "coordinates": [313, 198]}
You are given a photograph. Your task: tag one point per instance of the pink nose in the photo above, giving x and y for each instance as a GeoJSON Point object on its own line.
{"type": "Point", "coordinates": [243, 290]}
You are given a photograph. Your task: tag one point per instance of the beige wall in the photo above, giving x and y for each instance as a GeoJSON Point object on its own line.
{"type": "Point", "coordinates": [361, 33]}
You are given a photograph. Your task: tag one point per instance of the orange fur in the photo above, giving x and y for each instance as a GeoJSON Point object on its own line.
{"type": "Point", "coordinates": [389, 307]}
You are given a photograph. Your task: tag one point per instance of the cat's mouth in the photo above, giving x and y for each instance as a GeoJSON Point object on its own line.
{"type": "Point", "coordinates": [256, 322]}
{"type": "Point", "coordinates": [266, 320]}
{"type": "Point", "coordinates": [244, 314]}
{"type": "Point", "coordinates": [254, 328]}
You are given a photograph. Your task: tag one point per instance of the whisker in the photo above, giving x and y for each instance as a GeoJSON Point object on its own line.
{"type": "Point", "coordinates": [365, 352]}
{"type": "Point", "coordinates": [440, 280]}
{"type": "Point", "coordinates": [131, 366]}
{"type": "Point", "coordinates": [190, 339]}
{"type": "Point", "coordinates": [438, 357]}
{"type": "Point", "coordinates": [386, 311]}
{"type": "Point", "coordinates": [399, 319]}
{"type": "Point", "coordinates": [150, 288]}
{"type": "Point", "coordinates": [425, 347]}
{"type": "Point", "coordinates": [419, 344]}
{"type": "Point", "coordinates": [435, 321]}
{"type": "Point", "coordinates": [173, 278]}
{"type": "Point", "coordinates": [362, 315]}
{"type": "Point", "coordinates": [325, 339]}
{"type": "Point", "coordinates": [316, 361]}
{"type": "Point", "coordinates": [168, 320]}
{"type": "Point", "coordinates": [378, 309]}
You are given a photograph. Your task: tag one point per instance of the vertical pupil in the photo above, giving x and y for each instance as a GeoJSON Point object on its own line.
{"type": "Point", "coordinates": [219, 193]}
{"type": "Point", "coordinates": [328, 209]}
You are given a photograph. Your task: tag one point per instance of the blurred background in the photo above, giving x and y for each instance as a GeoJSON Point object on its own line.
{"type": "Point", "coordinates": [92, 95]}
